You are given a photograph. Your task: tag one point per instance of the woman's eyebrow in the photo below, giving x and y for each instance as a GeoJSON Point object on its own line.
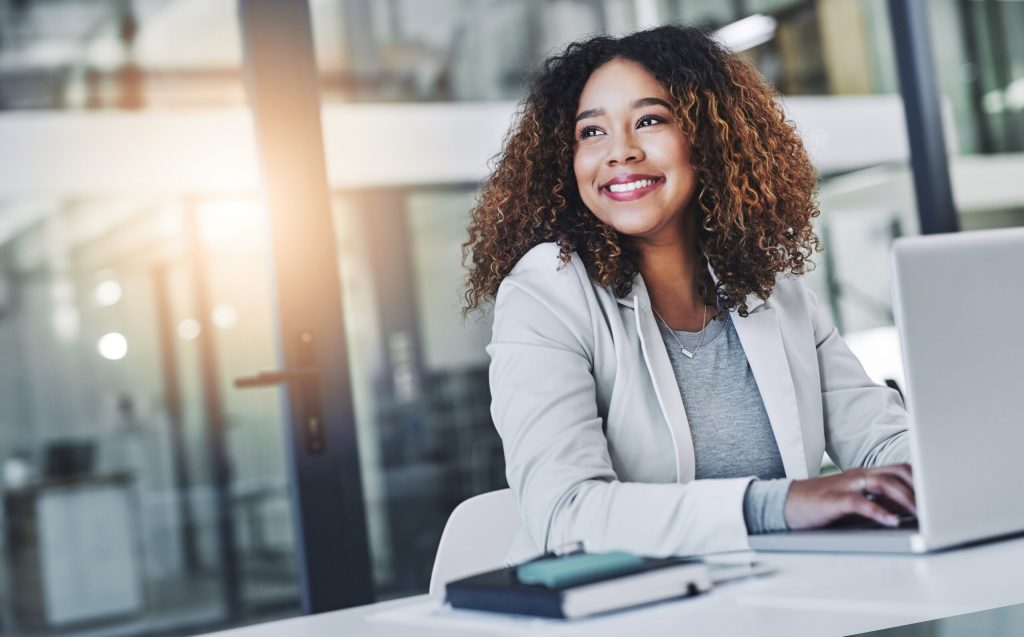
{"type": "Point", "coordinates": [651, 101]}
{"type": "Point", "coordinates": [640, 103]}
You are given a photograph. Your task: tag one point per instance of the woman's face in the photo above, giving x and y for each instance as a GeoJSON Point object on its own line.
{"type": "Point", "coordinates": [632, 161]}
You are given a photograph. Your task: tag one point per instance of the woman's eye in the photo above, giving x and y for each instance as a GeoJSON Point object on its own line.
{"type": "Point", "coordinates": [590, 131]}
{"type": "Point", "coordinates": [648, 120]}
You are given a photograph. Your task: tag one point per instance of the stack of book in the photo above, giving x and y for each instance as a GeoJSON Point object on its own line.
{"type": "Point", "coordinates": [580, 585]}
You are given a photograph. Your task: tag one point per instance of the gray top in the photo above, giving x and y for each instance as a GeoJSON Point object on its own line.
{"type": "Point", "coordinates": [732, 436]}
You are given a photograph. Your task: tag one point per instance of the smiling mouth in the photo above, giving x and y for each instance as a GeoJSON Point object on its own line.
{"type": "Point", "coordinates": [631, 190]}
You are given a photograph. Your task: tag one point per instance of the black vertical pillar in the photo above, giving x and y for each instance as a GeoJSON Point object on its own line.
{"type": "Point", "coordinates": [923, 110]}
{"type": "Point", "coordinates": [327, 496]}
{"type": "Point", "coordinates": [175, 421]}
{"type": "Point", "coordinates": [215, 421]}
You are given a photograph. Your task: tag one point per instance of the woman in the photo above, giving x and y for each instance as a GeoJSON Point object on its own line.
{"type": "Point", "coordinates": [662, 380]}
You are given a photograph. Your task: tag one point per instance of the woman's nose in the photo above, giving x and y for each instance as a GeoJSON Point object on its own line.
{"type": "Point", "coordinates": [624, 149]}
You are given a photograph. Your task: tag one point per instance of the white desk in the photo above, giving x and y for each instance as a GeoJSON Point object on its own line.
{"type": "Point", "coordinates": [813, 595]}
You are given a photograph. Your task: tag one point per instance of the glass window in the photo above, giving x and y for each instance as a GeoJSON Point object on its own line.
{"type": "Point", "coordinates": [419, 372]}
{"type": "Point", "coordinates": [134, 288]}
{"type": "Point", "coordinates": [448, 50]}
{"type": "Point", "coordinates": [981, 77]}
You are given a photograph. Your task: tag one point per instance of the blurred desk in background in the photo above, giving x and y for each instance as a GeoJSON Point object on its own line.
{"type": "Point", "coordinates": [72, 550]}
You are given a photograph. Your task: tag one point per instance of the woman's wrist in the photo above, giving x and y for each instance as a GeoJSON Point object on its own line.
{"type": "Point", "coordinates": [764, 505]}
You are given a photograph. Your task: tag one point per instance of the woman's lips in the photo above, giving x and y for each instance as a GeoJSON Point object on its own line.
{"type": "Point", "coordinates": [632, 195]}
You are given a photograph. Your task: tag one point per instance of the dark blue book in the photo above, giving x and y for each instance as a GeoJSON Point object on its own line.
{"type": "Point", "coordinates": [579, 585]}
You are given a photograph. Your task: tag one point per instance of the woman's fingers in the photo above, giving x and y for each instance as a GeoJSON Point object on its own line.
{"type": "Point", "coordinates": [868, 509]}
{"type": "Point", "coordinates": [892, 488]}
{"type": "Point", "coordinates": [902, 471]}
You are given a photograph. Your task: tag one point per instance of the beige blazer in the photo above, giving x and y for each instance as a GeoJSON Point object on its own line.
{"type": "Point", "coordinates": [596, 440]}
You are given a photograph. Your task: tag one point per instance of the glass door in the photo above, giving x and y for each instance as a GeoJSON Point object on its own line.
{"type": "Point", "coordinates": [129, 457]}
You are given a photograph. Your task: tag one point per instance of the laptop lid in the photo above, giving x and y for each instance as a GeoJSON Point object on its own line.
{"type": "Point", "coordinates": [959, 306]}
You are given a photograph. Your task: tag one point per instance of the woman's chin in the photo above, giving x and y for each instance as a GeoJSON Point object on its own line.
{"type": "Point", "coordinates": [637, 230]}
{"type": "Point", "coordinates": [633, 233]}
{"type": "Point", "coordinates": [631, 224]}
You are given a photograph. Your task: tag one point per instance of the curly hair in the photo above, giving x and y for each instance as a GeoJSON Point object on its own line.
{"type": "Point", "coordinates": [755, 183]}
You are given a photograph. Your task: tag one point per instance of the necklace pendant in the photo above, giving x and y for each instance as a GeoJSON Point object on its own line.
{"type": "Point", "coordinates": [687, 353]}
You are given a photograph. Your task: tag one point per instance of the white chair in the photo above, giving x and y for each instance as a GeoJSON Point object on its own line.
{"type": "Point", "coordinates": [476, 538]}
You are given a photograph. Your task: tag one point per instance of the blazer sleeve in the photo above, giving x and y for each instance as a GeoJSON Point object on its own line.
{"type": "Point", "coordinates": [544, 406]}
{"type": "Point", "coordinates": [865, 423]}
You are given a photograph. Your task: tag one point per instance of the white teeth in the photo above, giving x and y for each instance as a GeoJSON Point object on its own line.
{"type": "Point", "coordinates": [633, 185]}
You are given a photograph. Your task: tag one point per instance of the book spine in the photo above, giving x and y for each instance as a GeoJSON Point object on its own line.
{"type": "Point", "coordinates": [521, 602]}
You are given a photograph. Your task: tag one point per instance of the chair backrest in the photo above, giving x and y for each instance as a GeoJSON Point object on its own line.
{"type": "Point", "coordinates": [476, 538]}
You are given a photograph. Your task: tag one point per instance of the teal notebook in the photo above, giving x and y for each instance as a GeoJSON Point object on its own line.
{"type": "Point", "coordinates": [578, 568]}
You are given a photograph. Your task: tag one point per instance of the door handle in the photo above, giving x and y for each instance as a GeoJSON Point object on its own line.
{"type": "Point", "coordinates": [276, 377]}
{"type": "Point", "coordinates": [304, 388]}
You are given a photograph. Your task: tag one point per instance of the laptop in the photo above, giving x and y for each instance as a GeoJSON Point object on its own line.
{"type": "Point", "coordinates": [959, 306]}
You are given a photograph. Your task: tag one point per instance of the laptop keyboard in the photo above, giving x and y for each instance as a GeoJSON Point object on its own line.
{"type": "Point", "coordinates": [856, 522]}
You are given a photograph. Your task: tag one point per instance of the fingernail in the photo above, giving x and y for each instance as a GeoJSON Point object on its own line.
{"type": "Point", "coordinates": [893, 520]}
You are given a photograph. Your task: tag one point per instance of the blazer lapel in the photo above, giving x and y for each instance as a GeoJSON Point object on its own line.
{"type": "Point", "coordinates": [761, 337]}
{"type": "Point", "coordinates": [665, 387]}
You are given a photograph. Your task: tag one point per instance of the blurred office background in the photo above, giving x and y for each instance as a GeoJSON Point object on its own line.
{"type": "Point", "coordinates": [143, 492]}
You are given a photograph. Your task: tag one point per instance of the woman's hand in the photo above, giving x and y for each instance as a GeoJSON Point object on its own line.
{"type": "Point", "coordinates": [817, 502]}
